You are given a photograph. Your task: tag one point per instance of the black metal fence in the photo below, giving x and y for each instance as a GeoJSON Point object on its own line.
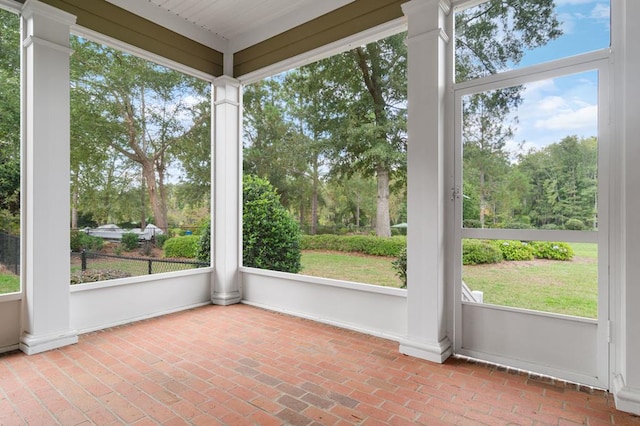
{"type": "Point", "coordinates": [10, 252]}
{"type": "Point", "coordinates": [110, 266]}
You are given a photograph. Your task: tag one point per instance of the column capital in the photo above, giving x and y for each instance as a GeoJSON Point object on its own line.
{"type": "Point", "coordinates": [36, 7]}
{"type": "Point", "coordinates": [416, 6]}
{"type": "Point", "coordinates": [226, 90]}
{"type": "Point", "coordinates": [225, 80]}
{"type": "Point", "coordinates": [427, 17]}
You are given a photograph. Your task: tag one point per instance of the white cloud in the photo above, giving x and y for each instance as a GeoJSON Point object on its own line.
{"type": "Point", "coordinates": [570, 120]}
{"type": "Point", "coordinates": [578, 10]}
{"type": "Point", "coordinates": [555, 108]}
{"type": "Point", "coordinates": [567, 23]}
{"type": "Point", "coordinates": [601, 11]}
{"type": "Point", "coordinates": [550, 105]}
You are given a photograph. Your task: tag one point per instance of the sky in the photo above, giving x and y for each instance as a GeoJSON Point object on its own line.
{"type": "Point", "coordinates": [553, 109]}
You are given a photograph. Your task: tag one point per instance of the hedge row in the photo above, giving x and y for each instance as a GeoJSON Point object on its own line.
{"type": "Point", "coordinates": [475, 252]}
{"type": "Point", "coordinates": [364, 244]}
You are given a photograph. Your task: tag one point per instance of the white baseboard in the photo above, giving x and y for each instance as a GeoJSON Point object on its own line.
{"type": "Point", "coordinates": [434, 352]}
{"type": "Point", "coordinates": [32, 345]}
{"type": "Point", "coordinates": [627, 399]}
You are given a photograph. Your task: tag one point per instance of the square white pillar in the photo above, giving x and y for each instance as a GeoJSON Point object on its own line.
{"type": "Point", "coordinates": [45, 174]}
{"type": "Point", "coordinates": [427, 190]}
{"type": "Point", "coordinates": [626, 287]}
{"type": "Point", "coordinates": [227, 145]}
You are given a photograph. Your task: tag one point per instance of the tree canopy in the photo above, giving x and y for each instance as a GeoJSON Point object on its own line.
{"type": "Point", "coordinates": [9, 113]}
{"type": "Point", "coordinates": [139, 121]}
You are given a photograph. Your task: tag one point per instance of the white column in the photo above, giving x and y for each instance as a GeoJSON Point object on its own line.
{"type": "Point", "coordinates": [427, 193]}
{"type": "Point", "coordinates": [227, 145]}
{"type": "Point", "coordinates": [45, 174]}
{"type": "Point", "coordinates": [626, 283]}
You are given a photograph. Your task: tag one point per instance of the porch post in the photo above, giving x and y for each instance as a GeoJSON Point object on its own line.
{"type": "Point", "coordinates": [45, 174]}
{"type": "Point", "coordinates": [427, 194]}
{"type": "Point", "coordinates": [626, 283]}
{"type": "Point", "coordinates": [227, 144]}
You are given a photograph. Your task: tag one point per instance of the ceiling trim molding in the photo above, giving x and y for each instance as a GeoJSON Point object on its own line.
{"type": "Point", "coordinates": [331, 27]}
{"type": "Point", "coordinates": [115, 22]}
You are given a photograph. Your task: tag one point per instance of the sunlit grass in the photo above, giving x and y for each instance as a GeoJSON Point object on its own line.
{"type": "Point", "coordinates": [569, 287]}
{"type": "Point", "coordinates": [350, 267]}
{"type": "Point", "coordinates": [9, 283]}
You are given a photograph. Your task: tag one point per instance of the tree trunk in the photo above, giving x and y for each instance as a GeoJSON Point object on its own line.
{"type": "Point", "coordinates": [74, 209]}
{"type": "Point", "coordinates": [158, 205]}
{"type": "Point", "coordinates": [483, 200]}
{"type": "Point", "coordinates": [314, 199]}
{"type": "Point", "coordinates": [143, 206]}
{"type": "Point", "coordinates": [301, 214]}
{"type": "Point", "coordinates": [383, 225]}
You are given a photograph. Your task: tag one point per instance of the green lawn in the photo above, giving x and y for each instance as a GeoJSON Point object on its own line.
{"type": "Point", "coordinates": [569, 288]}
{"type": "Point", "coordinates": [552, 286]}
{"type": "Point", "coordinates": [9, 283]}
{"type": "Point", "coordinates": [350, 267]}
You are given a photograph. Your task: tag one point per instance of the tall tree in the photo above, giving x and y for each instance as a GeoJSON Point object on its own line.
{"type": "Point", "coordinates": [153, 109]}
{"type": "Point", "coordinates": [490, 38]}
{"type": "Point", "coordinates": [273, 148]}
{"type": "Point", "coordinates": [306, 95]}
{"type": "Point", "coordinates": [369, 119]}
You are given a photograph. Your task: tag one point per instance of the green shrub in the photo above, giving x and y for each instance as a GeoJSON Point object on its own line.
{"type": "Point", "coordinates": [550, 227]}
{"type": "Point", "coordinates": [476, 252]}
{"type": "Point", "coordinates": [400, 265]}
{"type": "Point", "coordinates": [83, 241]}
{"type": "Point", "coordinates": [176, 232]}
{"type": "Point", "coordinates": [365, 244]}
{"type": "Point", "coordinates": [186, 246]}
{"type": "Point", "coordinates": [270, 236]}
{"type": "Point", "coordinates": [515, 250]}
{"type": "Point", "coordinates": [129, 241]}
{"type": "Point", "coordinates": [161, 239]}
{"type": "Point", "coordinates": [552, 250]}
{"type": "Point", "coordinates": [471, 223]}
{"type": "Point", "coordinates": [574, 225]}
{"type": "Point", "coordinates": [518, 225]}
{"type": "Point", "coordinates": [204, 244]}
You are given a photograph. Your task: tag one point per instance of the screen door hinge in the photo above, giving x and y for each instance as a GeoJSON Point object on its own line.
{"type": "Point", "coordinates": [455, 193]}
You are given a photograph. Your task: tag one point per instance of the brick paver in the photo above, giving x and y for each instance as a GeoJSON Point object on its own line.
{"type": "Point", "coordinates": [242, 365]}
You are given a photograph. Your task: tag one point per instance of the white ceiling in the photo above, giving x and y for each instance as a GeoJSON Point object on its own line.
{"type": "Point", "coordinates": [230, 25]}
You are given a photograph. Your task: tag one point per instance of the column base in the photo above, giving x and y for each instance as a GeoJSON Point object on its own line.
{"type": "Point", "coordinates": [32, 345]}
{"type": "Point", "coordinates": [434, 352]}
{"type": "Point", "coordinates": [225, 299]}
{"type": "Point", "coordinates": [627, 399]}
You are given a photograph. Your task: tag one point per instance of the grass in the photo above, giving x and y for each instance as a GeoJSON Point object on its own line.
{"type": "Point", "coordinates": [9, 283]}
{"type": "Point", "coordinates": [569, 288]}
{"type": "Point", "coordinates": [350, 267]}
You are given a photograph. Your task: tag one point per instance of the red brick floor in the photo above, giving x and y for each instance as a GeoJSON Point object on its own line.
{"type": "Point", "coordinates": [241, 365]}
